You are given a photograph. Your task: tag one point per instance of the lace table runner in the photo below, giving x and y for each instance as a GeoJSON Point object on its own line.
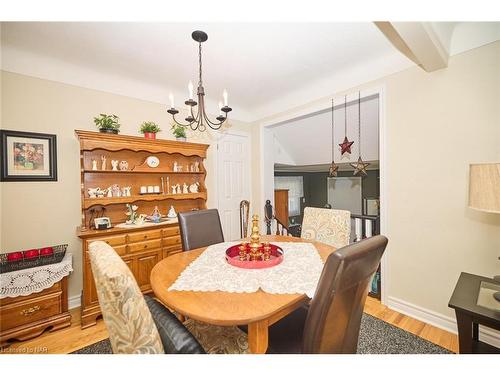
{"type": "Point", "coordinates": [33, 280]}
{"type": "Point", "coordinates": [298, 273]}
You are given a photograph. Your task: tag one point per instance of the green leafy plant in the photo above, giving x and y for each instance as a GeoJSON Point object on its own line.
{"type": "Point", "coordinates": [178, 131]}
{"type": "Point", "coordinates": [107, 122]}
{"type": "Point", "coordinates": [149, 127]}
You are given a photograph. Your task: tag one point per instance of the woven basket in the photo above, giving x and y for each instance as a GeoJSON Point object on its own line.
{"type": "Point", "coordinates": [41, 260]}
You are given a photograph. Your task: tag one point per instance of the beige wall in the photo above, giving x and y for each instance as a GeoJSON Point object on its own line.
{"type": "Point", "coordinates": [436, 124]}
{"type": "Point", "coordinates": [43, 213]}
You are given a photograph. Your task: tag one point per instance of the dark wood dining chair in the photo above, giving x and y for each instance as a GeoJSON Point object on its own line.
{"type": "Point", "coordinates": [330, 323]}
{"type": "Point", "coordinates": [200, 228]}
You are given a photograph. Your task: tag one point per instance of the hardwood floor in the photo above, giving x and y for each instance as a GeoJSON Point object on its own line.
{"type": "Point", "coordinates": [73, 338]}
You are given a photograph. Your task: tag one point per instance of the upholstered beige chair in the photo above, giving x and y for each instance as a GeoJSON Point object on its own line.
{"type": "Point", "coordinates": [130, 324]}
{"type": "Point", "coordinates": [139, 324]}
{"type": "Point", "coordinates": [332, 227]}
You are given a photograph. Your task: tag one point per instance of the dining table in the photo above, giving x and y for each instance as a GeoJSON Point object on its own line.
{"type": "Point", "coordinates": [257, 310]}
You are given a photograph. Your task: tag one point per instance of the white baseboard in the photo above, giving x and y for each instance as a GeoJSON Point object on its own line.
{"type": "Point", "coordinates": [438, 320]}
{"type": "Point", "coordinates": [74, 302]}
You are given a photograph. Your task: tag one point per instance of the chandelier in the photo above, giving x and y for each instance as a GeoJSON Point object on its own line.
{"type": "Point", "coordinates": [200, 119]}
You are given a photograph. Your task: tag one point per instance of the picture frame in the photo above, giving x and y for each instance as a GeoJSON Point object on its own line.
{"type": "Point", "coordinates": [27, 156]}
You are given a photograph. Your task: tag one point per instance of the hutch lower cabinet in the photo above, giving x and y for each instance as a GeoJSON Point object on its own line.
{"type": "Point", "coordinates": [140, 249]}
{"type": "Point", "coordinates": [154, 175]}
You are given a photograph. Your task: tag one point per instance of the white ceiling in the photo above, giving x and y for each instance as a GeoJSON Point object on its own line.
{"type": "Point", "coordinates": [265, 67]}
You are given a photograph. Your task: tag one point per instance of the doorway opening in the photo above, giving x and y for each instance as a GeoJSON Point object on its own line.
{"type": "Point", "coordinates": [301, 153]}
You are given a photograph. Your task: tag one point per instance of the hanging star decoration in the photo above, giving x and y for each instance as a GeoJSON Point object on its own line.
{"type": "Point", "coordinates": [360, 167]}
{"type": "Point", "coordinates": [333, 169]}
{"type": "Point", "coordinates": [345, 146]}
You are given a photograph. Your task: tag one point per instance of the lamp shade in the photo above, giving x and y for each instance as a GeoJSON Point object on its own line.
{"type": "Point", "coordinates": [484, 187]}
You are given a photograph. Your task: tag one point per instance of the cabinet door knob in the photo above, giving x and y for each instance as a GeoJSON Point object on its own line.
{"type": "Point", "coordinates": [31, 310]}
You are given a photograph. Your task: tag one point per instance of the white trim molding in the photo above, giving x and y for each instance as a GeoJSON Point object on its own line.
{"type": "Point", "coordinates": [438, 320]}
{"type": "Point", "coordinates": [74, 302]}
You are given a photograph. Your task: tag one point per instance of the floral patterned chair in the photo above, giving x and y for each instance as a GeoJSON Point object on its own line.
{"type": "Point", "coordinates": [332, 227]}
{"type": "Point", "coordinates": [140, 324]}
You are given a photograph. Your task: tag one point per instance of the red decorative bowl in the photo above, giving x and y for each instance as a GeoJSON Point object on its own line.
{"type": "Point", "coordinates": [44, 251]}
{"type": "Point", "coordinates": [233, 258]}
{"type": "Point", "coordinates": [12, 257]}
{"type": "Point", "coordinates": [33, 253]}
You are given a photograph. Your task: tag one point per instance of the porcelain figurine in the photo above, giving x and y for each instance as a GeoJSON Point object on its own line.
{"type": "Point", "coordinates": [171, 213]}
{"type": "Point", "coordinates": [193, 188]}
{"type": "Point", "coordinates": [140, 219]}
{"type": "Point", "coordinates": [114, 165]}
{"type": "Point", "coordinates": [109, 194]}
{"type": "Point", "coordinates": [156, 216]}
{"type": "Point", "coordinates": [103, 162]}
{"type": "Point", "coordinates": [174, 189]}
{"type": "Point", "coordinates": [116, 191]}
{"type": "Point", "coordinates": [123, 165]}
{"type": "Point", "coordinates": [175, 166]}
{"type": "Point", "coordinates": [179, 189]}
{"type": "Point", "coordinates": [101, 193]}
{"type": "Point", "coordinates": [185, 188]}
{"type": "Point", "coordinates": [93, 192]}
{"type": "Point", "coordinates": [197, 166]}
{"type": "Point", "coordinates": [94, 165]}
{"type": "Point", "coordinates": [126, 191]}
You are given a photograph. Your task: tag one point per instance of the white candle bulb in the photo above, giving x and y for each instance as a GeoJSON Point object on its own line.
{"type": "Point", "coordinates": [171, 97]}
{"type": "Point", "coordinates": [190, 87]}
{"type": "Point", "coordinates": [224, 94]}
{"type": "Point", "coordinates": [220, 108]}
{"type": "Point", "coordinates": [188, 109]}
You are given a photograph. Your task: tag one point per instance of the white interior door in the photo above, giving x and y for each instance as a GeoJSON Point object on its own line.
{"type": "Point", "coordinates": [233, 176]}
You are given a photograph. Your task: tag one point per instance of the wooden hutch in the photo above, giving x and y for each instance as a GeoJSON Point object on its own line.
{"type": "Point", "coordinates": [141, 247]}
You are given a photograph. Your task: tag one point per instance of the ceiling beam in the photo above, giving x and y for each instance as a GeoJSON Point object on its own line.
{"type": "Point", "coordinates": [417, 41]}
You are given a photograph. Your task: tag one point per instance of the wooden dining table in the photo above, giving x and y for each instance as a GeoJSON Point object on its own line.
{"type": "Point", "coordinates": [257, 310]}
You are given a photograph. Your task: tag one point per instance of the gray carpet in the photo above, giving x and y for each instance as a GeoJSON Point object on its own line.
{"type": "Point", "coordinates": [375, 337]}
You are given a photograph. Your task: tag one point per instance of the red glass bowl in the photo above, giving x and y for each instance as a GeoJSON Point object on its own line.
{"type": "Point", "coordinates": [33, 253]}
{"type": "Point", "coordinates": [233, 258]}
{"type": "Point", "coordinates": [12, 257]}
{"type": "Point", "coordinates": [44, 251]}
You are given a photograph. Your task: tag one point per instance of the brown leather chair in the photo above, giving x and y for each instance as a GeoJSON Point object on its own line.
{"type": "Point", "coordinates": [330, 324]}
{"type": "Point", "coordinates": [200, 228]}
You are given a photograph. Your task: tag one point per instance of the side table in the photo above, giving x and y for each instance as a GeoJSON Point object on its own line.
{"type": "Point", "coordinates": [27, 315]}
{"type": "Point", "coordinates": [470, 315]}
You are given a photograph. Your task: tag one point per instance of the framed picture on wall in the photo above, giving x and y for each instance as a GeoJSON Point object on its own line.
{"type": "Point", "coordinates": [28, 156]}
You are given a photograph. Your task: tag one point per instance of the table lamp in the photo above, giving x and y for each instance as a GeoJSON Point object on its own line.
{"type": "Point", "coordinates": [484, 191]}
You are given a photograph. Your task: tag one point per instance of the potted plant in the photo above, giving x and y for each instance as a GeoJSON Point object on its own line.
{"type": "Point", "coordinates": [107, 123]}
{"type": "Point", "coordinates": [149, 129]}
{"type": "Point", "coordinates": [179, 132]}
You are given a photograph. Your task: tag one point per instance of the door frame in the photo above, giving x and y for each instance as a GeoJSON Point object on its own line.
{"type": "Point", "coordinates": [322, 105]}
{"type": "Point", "coordinates": [240, 133]}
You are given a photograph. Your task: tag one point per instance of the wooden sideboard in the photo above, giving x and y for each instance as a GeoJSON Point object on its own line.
{"type": "Point", "coordinates": [144, 246]}
{"type": "Point", "coordinates": [25, 317]}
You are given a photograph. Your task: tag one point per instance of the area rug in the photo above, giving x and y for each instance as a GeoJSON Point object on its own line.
{"type": "Point", "coordinates": [375, 337]}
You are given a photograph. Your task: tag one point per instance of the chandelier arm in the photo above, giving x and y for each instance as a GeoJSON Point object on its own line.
{"type": "Point", "coordinates": [196, 122]}
{"type": "Point", "coordinates": [178, 123]}
{"type": "Point", "coordinates": [214, 125]}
